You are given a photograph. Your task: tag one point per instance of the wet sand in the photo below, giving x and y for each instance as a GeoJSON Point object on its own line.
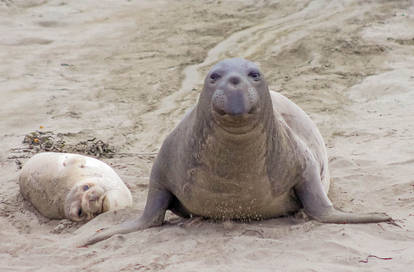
{"type": "Point", "coordinates": [125, 72]}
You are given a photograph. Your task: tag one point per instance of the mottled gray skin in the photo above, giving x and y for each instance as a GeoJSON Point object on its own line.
{"type": "Point", "coordinates": [243, 152]}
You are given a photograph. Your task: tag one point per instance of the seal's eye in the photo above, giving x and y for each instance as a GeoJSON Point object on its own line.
{"type": "Point", "coordinates": [80, 213]}
{"type": "Point", "coordinates": [214, 76]}
{"type": "Point", "coordinates": [85, 187]}
{"type": "Point", "coordinates": [255, 75]}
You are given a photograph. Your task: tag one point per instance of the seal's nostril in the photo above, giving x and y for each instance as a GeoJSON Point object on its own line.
{"type": "Point", "coordinates": [234, 80]}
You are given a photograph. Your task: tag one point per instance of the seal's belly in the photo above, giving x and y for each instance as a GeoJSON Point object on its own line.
{"type": "Point", "coordinates": [236, 200]}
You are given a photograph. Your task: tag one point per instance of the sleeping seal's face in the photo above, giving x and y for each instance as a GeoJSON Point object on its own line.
{"type": "Point", "coordinates": [84, 202]}
{"type": "Point", "coordinates": [236, 88]}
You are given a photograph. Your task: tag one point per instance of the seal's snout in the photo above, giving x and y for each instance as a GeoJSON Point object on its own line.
{"type": "Point", "coordinates": [234, 96]}
{"type": "Point", "coordinates": [235, 102]}
{"type": "Point", "coordinates": [230, 102]}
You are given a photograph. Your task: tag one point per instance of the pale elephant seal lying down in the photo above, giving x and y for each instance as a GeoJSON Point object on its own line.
{"type": "Point", "coordinates": [62, 185]}
{"type": "Point", "coordinates": [243, 152]}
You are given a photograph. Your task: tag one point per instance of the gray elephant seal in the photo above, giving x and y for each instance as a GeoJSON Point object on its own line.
{"type": "Point", "coordinates": [243, 152]}
{"type": "Point", "coordinates": [61, 185]}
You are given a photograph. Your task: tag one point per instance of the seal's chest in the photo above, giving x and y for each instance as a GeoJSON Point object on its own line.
{"type": "Point", "coordinates": [243, 196]}
{"type": "Point", "coordinates": [230, 181]}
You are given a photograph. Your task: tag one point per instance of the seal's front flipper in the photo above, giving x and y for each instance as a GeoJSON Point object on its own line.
{"type": "Point", "coordinates": [318, 206]}
{"type": "Point", "coordinates": [154, 213]}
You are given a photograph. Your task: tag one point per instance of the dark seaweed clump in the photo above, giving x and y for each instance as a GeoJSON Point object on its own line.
{"type": "Point", "coordinates": [47, 141]}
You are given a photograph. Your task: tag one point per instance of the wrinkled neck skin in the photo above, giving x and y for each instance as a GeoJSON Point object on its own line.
{"type": "Point", "coordinates": [241, 153]}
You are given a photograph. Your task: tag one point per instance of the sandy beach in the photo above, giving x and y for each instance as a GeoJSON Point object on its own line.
{"type": "Point", "coordinates": [123, 73]}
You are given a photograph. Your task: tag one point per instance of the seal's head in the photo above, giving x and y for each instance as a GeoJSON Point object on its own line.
{"type": "Point", "coordinates": [236, 90]}
{"type": "Point", "coordinates": [85, 201]}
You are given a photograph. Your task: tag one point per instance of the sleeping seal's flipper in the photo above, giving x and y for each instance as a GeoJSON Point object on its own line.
{"type": "Point", "coordinates": [158, 202]}
{"type": "Point", "coordinates": [318, 206]}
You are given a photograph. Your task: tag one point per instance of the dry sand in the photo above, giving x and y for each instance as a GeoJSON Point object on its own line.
{"type": "Point", "coordinates": [126, 71]}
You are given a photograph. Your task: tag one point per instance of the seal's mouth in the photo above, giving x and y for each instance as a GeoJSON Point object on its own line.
{"type": "Point", "coordinates": [237, 116]}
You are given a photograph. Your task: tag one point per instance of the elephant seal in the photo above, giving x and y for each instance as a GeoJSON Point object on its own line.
{"type": "Point", "coordinates": [72, 186]}
{"type": "Point", "coordinates": [243, 152]}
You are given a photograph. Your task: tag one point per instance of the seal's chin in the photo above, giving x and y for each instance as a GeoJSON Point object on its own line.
{"type": "Point", "coordinates": [236, 123]}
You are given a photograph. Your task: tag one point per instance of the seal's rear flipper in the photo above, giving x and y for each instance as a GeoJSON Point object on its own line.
{"type": "Point", "coordinates": [318, 206]}
{"type": "Point", "coordinates": [338, 217]}
{"type": "Point", "coordinates": [157, 203]}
